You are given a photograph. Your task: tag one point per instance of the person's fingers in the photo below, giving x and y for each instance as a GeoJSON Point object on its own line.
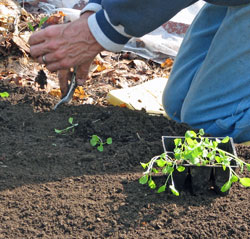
{"type": "Point", "coordinates": [60, 65]}
{"type": "Point", "coordinates": [38, 50]}
{"type": "Point", "coordinates": [82, 73]}
{"type": "Point", "coordinates": [64, 76]}
{"type": "Point", "coordinates": [45, 41]}
{"type": "Point", "coordinates": [42, 60]}
{"type": "Point", "coordinates": [42, 35]}
{"type": "Point", "coordinates": [37, 38]}
{"type": "Point", "coordinates": [49, 58]}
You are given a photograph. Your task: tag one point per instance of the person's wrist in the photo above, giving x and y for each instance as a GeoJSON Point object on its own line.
{"type": "Point", "coordinates": [94, 44]}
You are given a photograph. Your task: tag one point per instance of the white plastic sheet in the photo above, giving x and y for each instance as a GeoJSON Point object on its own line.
{"type": "Point", "coordinates": [165, 41]}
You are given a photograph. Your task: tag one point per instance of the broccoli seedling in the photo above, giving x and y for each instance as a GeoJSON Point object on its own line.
{"type": "Point", "coordinates": [97, 141]}
{"type": "Point", "coordinates": [71, 128]}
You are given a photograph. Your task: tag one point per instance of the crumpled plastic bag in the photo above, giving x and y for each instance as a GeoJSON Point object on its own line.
{"type": "Point", "coordinates": [50, 5]}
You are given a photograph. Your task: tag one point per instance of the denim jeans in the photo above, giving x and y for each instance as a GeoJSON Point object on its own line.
{"type": "Point", "coordinates": [209, 86]}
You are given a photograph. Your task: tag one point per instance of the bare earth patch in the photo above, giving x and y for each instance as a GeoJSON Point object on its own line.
{"type": "Point", "coordinates": [59, 186]}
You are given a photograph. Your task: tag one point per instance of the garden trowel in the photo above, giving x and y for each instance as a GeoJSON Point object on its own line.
{"type": "Point", "coordinates": [69, 95]}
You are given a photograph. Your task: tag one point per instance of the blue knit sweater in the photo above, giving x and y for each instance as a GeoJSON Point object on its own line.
{"type": "Point", "coordinates": [116, 21]}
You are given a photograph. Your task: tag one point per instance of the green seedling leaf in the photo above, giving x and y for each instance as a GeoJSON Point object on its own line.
{"type": "Point", "coordinates": [226, 186]}
{"type": "Point", "coordinates": [168, 169]}
{"type": "Point", "coordinates": [207, 141]}
{"type": "Point", "coordinates": [161, 162]}
{"type": "Point", "coordinates": [4, 95]}
{"type": "Point", "coordinates": [109, 141]}
{"type": "Point", "coordinates": [143, 179]}
{"type": "Point", "coordinates": [215, 144]}
{"type": "Point", "coordinates": [95, 137]}
{"type": "Point", "coordinates": [241, 166]}
{"type": "Point", "coordinates": [70, 120]}
{"type": "Point", "coordinates": [177, 142]}
{"type": "Point", "coordinates": [42, 21]}
{"type": "Point", "coordinates": [201, 132]}
{"type": "Point", "coordinates": [173, 190]}
{"type": "Point", "coordinates": [100, 148]}
{"type": "Point", "coordinates": [31, 27]}
{"type": "Point", "coordinates": [190, 134]}
{"type": "Point", "coordinates": [155, 170]}
{"type": "Point", "coordinates": [245, 182]}
{"type": "Point", "coordinates": [204, 153]}
{"type": "Point", "coordinates": [218, 159]}
{"type": "Point", "coordinates": [151, 184]}
{"type": "Point", "coordinates": [248, 167]}
{"type": "Point", "coordinates": [58, 131]}
{"type": "Point", "coordinates": [222, 154]}
{"type": "Point", "coordinates": [211, 155]}
{"type": "Point", "coordinates": [195, 161]}
{"type": "Point", "coordinates": [190, 142]}
{"type": "Point", "coordinates": [226, 162]}
{"type": "Point", "coordinates": [93, 142]}
{"type": "Point", "coordinates": [144, 165]}
{"type": "Point", "coordinates": [225, 140]}
{"type": "Point", "coordinates": [161, 189]}
{"type": "Point", "coordinates": [180, 169]}
{"type": "Point", "coordinates": [234, 179]}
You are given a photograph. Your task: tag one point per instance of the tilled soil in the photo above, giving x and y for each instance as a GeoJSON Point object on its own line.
{"type": "Point", "coordinates": [59, 186]}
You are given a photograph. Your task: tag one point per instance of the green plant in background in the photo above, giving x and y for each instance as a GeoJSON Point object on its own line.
{"type": "Point", "coordinates": [70, 129]}
{"type": "Point", "coordinates": [4, 94]}
{"type": "Point", "coordinates": [97, 141]}
{"type": "Point", "coordinates": [42, 21]}
{"type": "Point", "coordinates": [194, 150]}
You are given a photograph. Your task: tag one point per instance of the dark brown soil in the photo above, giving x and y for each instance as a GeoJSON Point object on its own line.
{"type": "Point", "coordinates": [58, 186]}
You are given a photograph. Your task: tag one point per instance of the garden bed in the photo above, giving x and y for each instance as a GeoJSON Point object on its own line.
{"type": "Point", "coordinates": [59, 186]}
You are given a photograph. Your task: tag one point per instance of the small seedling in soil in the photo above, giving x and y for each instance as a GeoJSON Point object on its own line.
{"type": "Point", "coordinates": [42, 21]}
{"type": "Point", "coordinates": [97, 141]}
{"type": "Point", "coordinates": [4, 94]}
{"type": "Point", "coordinates": [70, 129]}
{"type": "Point", "coordinates": [193, 150]}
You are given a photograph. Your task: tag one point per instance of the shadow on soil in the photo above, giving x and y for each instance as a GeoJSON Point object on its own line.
{"type": "Point", "coordinates": [147, 204]}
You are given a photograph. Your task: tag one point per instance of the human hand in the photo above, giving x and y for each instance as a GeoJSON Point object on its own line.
{"type": "Point", "coordinates": [65, 46]}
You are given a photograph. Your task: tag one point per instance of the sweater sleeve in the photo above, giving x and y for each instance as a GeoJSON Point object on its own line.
{"type": "Point", "coordinates": [119, 20]}
{"type": "Point", "coordinates": [228, 3]}
{"type": "Point", "coordinates": [93, 6]}
{"type": "Point", "coordinates": [116, 21]}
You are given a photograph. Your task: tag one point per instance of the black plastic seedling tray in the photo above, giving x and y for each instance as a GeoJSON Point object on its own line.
{"type": "Point", "coordinates": [200, 179]}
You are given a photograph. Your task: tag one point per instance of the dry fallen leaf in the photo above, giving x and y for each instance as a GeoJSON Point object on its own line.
{"type": "Point", "coordinates": [79, 93]}
{"type": "Point", "coordinates": [56, 93]}
{"type": "Point", "coordinates": [123, 105]}
{"type": "Point", "coordinates": [100, 68]}
{"type": "Point", "coordinates": [167, 63]}
{"type": "Point", "coordinates": [56, 18]}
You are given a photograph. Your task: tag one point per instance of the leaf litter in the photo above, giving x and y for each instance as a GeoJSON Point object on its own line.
{"type": "Point", "coordinates": [108, 71]}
